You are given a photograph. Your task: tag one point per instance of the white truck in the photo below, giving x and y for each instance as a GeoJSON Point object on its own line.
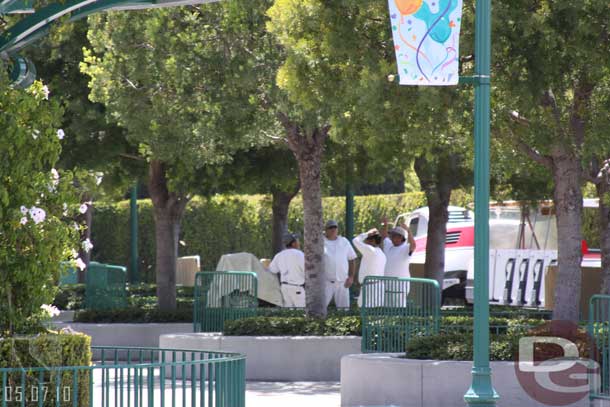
{"type": "Point", "coordinates": [522, 246]}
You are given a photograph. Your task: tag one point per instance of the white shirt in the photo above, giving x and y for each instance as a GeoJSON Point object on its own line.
{"type": "Point", "coordinates": [373, 259]}
{"type": "Point", "coordinates": [290, 263]}
{"type": "Point", "coordinates": [337, 254]}
{"type": "Point", "coordinates": [397, 264]}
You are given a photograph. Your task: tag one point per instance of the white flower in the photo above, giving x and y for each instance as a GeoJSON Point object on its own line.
{"type": "Point", "coordinates": [45, 91]}
{"type": "Point", "coordinates": [83, 208]}
{"type": "Point", "coordinates": [23, 220]}
{"type": "Point", "coordinates": [38, 214]}
{"type": "Point", "coordinates": [99, 176]}
{"type": "Point", "coordinates": [65, 207]}
{"type": "Point", "coordinates": [80, 264]}
{"type": "Point", "coordinates": [51, 310]}
{"type": "Point", "coordinates": [61, 134]}
{"type": "Point", "coordinates": [87, 245]}
{"type": "Point", "coordinates": [54, 174]}
{"type": "Point", "coordinates": [74, 254]}
{"type": "Point", "coordinates": [23, 210]}
{"type": "Point", "coordinates": [35, 134]}
{"type": "Point", "coordinates": [76, 226]}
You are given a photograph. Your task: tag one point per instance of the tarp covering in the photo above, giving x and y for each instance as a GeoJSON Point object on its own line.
{"type": "Point", "coordinates": [268, 283]}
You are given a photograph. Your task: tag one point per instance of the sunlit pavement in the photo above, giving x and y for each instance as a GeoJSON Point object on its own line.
{"type": "Point", "coordinates": [293, 394]}
{"type": "Point", "coordinates": [258, 394]}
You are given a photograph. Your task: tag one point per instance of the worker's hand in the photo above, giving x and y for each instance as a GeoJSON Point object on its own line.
{"type": "Point", "coordinates": [349, 282]}
{"type": "Point", "coordinates": [404, 226]}
{"type": "Point", "coordinates": [372, 232]}
{"type": "Point", "coordinates": [384, 221]}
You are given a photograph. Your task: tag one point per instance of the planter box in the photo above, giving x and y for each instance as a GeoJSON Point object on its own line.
{"type": "Point", "coordinates": [386, 379]}
{"type": "Point", "coordinates": [276, 358]}
{"type": "Point", "coordinates": [121, 334]}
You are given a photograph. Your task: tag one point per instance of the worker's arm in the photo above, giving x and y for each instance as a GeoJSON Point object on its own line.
{"type": "Point", "coordinates": [352, 274]}
{"type": "Point", "coordinates": [412, 244]}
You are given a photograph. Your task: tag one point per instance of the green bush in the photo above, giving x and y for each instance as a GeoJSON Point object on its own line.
{"type": "Point", "coordinates": [456, 346]}
{"type": "Point", "coordinates": [72, 296]}
{"type": "Point", "coordinates": [228, 224]}
{"type": "Point", "coordinates": [134, 315]}
{"type": "Point", "coordinates": [46, 350]}
{"type": "Point", "coordinates": [294, 326]}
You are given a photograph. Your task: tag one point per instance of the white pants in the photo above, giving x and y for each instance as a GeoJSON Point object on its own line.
{"type": "Point", "coordinates": [375, 295]}
{"type": "Point", "coordinates": [337, 291]}
{"type": "Point", "coordinates": [293, 296]}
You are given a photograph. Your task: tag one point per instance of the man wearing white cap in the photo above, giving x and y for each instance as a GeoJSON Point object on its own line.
{"type": "Point", "coordinates": [397, 248]}
{"type": "Point", "coordinates": [339, 265]}
{"type": "Point", "coordinates": [372, 264]}
{"type": "Point", "coordinates": [290, 265]}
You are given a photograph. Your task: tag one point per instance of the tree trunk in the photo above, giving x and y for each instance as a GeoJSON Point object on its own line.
{"type": "Point", "coordinates": [168, 210]}
{"type": "Point", "coordinates": [435, 179]}
{"type": "Point", "coordinates": [603, 191]}
{"type": "Point", "coordinates": [567, 197]}
{"type": "Point", "coordinates": [308, 148]}
{"type": "Point", "coordinates": [87, 218]}
{"type": "Point", "coordinates": [279, 207]}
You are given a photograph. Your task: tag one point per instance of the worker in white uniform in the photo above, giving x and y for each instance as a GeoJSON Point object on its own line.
{"type": "Point", "coordinates": [290, 265]}
{"type": "Point", "coordinates": [372, 264]}
{"type": "Point", "coordinates": [398, 248]}
{"type": "Point", "coordinates": [339, 266]}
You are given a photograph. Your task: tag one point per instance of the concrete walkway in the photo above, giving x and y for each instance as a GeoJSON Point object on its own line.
{"type": "Point", "coordinates": [293, 394]}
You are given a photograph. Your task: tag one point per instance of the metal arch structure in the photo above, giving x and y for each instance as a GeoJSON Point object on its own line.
{"type": "Point", "coordinates": [38, 23]}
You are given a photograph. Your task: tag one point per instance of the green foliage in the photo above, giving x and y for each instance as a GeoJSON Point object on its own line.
{"type": "Point", "coordinates": [229, 224]}
{"type": "Point", "coordinates": [141, 296]}
{"type": "Point", "coordinates": [460, 347]}
{"type": "Point", "coordinates": [294, 326]}
{"type": "Point", "coordinates": [35, 201]}
{"type": "Point", "coordinates": [135, 315]}
{"type": "Point", "coordinates": [46, 350]}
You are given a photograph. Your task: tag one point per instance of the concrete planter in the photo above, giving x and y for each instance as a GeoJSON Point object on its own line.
{"type": "Point", "coordinates": [386, 379]}
{"type": "Point", "coordinates": [276, 358]}
{"type": "Point", "coordinates": [138, 335]}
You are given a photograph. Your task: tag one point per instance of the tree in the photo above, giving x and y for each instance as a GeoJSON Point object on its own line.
{"type": "Point", "coordinates": [348, 43]}
{"type": "Point", "coordinates": [178, 82]}
{"type": "Point", "coordinates": [35, 201]}
{"type": "Point", "coordinates": [550, 59]}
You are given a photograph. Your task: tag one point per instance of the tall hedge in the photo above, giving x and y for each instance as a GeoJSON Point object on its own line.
{"type": "Point", "coordinates": [227, 224]}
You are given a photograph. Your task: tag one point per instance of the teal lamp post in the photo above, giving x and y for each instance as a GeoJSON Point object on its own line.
{"type": "Point", "coordinates": [481, 392]}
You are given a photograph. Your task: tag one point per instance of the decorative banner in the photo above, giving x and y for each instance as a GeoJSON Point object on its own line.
{"type": "Point", "coordinates": [426, 39]}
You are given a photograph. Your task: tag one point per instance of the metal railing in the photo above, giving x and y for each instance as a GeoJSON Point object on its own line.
{"type": "Point", "coordinates": [598, 329]}
{"type": "Point", "coordinates": [131, 377]}
{"type": "Point", "coordinates": [223, 296]}
{"type": "Point", "coordinates": [394, 310]}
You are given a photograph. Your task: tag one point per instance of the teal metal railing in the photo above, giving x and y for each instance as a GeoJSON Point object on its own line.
{"type": "Point", "coordinates": [599, 331]}
{"type": "Point", "coordinates": [131, 377]}
{"type": "Point", "coordinates": [223, 296]}
{"type": "Point", "coordinates": [394, 310]}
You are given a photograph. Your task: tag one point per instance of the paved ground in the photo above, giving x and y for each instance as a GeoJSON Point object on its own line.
{"type": "Point", "coordinates": [293, 394]}
{"type": "Point", "coordinates": [258, 394]}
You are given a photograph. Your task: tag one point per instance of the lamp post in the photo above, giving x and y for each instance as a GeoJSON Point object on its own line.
{"type": "Point", "coordinates": [481, 392]}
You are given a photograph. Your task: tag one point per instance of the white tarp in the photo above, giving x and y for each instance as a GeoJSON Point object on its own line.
{"type": "Point", "coordinates": [426, 37]}
{"type": "Point", "coordinates": [268, 283]}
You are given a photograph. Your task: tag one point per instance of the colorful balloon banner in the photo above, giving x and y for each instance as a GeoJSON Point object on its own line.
{"type": "Point", "coordinates": [426, 39]}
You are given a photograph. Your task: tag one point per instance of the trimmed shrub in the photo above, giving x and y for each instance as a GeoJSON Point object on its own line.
{"type": "Point", "coordinates": [294, 326]}
{"type": "Point", "coordinates": [46, 350]}
{"type": "Point", "coordinates": [227, 224]}
{"type": "Point", "coordinates": [134, 315]}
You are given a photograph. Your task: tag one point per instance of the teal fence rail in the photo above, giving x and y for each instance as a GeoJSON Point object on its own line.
{"type": "Point", "coordinates": [394, 310]}
{"type": "Point", "coordinates": [132, 377]}
{"type": "Point", "coordinates": [223, 296]}
{"type": "Point", "coordinates": [599, 332]}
